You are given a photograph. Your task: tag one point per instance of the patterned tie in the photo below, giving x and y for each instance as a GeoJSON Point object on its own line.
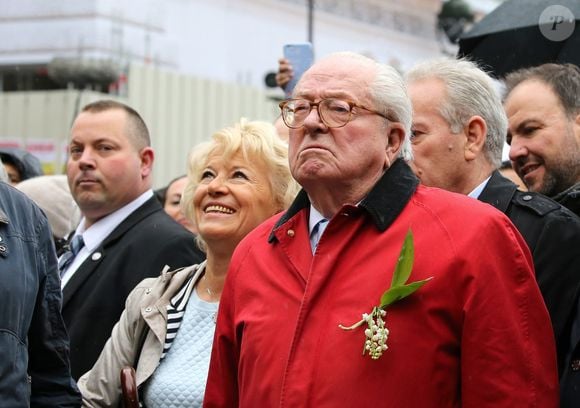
{"type": "Point", "coordinates": [317, 233]}
{"type": "Point", "coordinates": [69, 255]}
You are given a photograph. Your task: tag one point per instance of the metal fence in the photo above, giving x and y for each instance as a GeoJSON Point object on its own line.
{"type": "Point", "coordinates": [179, 110]}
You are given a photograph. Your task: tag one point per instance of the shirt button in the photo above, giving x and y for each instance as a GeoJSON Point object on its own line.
{"type": "Point", "coordinates": [527, 197]}
{"type": "Point", "coordinates": [575, 365]}
{"type": "Point", "coordinates": [148, 291]}
{"type": "Point", "coordinates": [290, 233]}
{"type": "Point", "coordinates": [96, 256]}
{"type": "Point", "coordinates": [148, 309]}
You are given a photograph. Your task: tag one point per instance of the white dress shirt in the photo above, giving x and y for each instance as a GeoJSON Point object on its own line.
{"type": "Point", "coordinates": [96, 233]}
{"type": "Point", "coordinates": [477, 190]}
{"type": "Point", "coordinates": [314, 219]}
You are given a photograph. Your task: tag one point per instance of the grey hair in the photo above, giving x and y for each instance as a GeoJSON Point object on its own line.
{"type": "Point", "coordinates": [470, 92]}
{"type": "Point", "coordinates": [389, 94]}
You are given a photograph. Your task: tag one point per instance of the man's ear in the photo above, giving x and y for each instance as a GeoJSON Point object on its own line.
{"type": "Point", "coordinates": [147, 156]}
{"type": "Point", "coordinates": [475, 133]}
{"type": "Point", "coordinates": [395, 137]}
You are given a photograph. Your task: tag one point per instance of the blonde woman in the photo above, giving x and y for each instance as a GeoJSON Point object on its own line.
{"type": "Point", "coordinates": [237, 180]}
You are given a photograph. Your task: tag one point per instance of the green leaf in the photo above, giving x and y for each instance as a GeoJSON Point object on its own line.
{"type": "Point", "coordinates": [405, 262]}
{"type": "Point", "coordinates": [400, 292]}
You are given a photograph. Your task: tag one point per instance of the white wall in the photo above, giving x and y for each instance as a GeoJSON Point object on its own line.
{"type": "Point", "coordinates": [231, 40]}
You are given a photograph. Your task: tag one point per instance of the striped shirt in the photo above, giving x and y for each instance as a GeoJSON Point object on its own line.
{"type": "Point", "coordinates": [176, 310]}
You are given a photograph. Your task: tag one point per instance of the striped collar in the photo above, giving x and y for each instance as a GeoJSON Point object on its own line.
{"type": "Point", "coordinates": [176, 307]}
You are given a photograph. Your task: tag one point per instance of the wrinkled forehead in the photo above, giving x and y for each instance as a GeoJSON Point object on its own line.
{"type": "Point", "coordinates": [336, 78]}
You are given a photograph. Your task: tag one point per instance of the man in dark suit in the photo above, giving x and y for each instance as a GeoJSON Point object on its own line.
{"type": "Point", "coordinates": [459, 128]}
{"type": "Point", "coordinates": [124, 235]}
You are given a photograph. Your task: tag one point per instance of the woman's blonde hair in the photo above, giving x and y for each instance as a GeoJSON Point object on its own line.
{"type": "Point", "coordinates": [256, 141]}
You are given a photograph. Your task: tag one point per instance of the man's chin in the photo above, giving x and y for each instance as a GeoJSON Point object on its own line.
{"type": "Point", "coordinates": [313, 169]}
{"type": "Point", "coordinates": [546, 186]}
{"type": "Point", "coordinates": [89, 202]}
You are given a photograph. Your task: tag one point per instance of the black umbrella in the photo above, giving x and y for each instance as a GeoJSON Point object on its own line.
{"type": "Point", "coordinates": [524, 33]}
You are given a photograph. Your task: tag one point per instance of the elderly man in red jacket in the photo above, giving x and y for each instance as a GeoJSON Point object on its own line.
{"type": "Point", "coordinates": [468, 327]}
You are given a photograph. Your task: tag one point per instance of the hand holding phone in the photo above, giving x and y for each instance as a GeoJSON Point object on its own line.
{"type": "Point", "coordinates": [301, 57]}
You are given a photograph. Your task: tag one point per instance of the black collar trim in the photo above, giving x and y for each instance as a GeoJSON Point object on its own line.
{"type": "Point", "coordinates": [384, 202]}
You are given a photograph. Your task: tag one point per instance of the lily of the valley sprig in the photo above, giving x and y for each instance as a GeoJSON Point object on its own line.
{"type": "Point", "coordinates": [376, 332]}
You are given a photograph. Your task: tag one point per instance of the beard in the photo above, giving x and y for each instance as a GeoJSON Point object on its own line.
{"type": "Point", "coordinates": [558, 180]}
{"type": "Point", "coordinates": [562, 172]}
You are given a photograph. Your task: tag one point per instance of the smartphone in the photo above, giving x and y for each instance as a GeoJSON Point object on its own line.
{"type": "Point", "coordinates": [301, 57]}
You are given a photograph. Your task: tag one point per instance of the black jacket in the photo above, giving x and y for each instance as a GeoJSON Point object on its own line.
{"type": "Point", "coordinates": [94, 298]}
{"type": "Point", "coordinates": [552, 233]}
{"type": "Point", "coordinates": [570, 382]}
{"type": "Point", "coordinates": [570, 198]}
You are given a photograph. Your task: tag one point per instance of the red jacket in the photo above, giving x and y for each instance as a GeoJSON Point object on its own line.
{"type": "Point", "coordinates": [477, 335]}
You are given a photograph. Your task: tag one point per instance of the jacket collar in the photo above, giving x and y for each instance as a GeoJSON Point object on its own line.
{"type": "Point", "coordinates": [144, 210]}
{"type": "Point", "coordinates": [383, 203]}
{"type": "Point", "coordinates": [87, 267]}
{"type": "Point", "coordinates": [498, 192]}
{"type": "Point", "coordinates": [570, 198]}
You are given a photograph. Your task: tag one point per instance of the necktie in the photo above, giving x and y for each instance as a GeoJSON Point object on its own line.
{"type": "Point", "coordinates": [317, 233]}
{"type": "Point", "coordinates": [69, 255]}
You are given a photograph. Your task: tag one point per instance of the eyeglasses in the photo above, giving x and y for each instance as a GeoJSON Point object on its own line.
{"type": "Point", "coordinates": [334, 113]}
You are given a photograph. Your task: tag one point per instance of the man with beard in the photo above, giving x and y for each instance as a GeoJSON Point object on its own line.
{"type": "Point", "coordinates": [543, 108]}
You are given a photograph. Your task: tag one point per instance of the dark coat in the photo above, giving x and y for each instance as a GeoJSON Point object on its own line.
{"type": "Point", "coordinates": [570, 382]}
{"type": "Point", "coordinates": [94, 298]}
{"type": "Point", "coordinates": [570, 198]}
{"type": "Point", "coordinates": [553, 234]}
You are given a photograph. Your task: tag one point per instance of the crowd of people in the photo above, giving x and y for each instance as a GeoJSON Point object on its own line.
{"type": "Point", "coordinates": [362, 248]}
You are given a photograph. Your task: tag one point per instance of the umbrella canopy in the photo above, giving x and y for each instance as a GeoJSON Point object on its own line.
{"type": "Point", "coordinates": [524, 33]}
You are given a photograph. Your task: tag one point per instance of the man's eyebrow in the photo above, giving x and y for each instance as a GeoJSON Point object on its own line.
{"type": "Point", "coordinates": [326, 95]}
{"type": "Point", "coordinates": [525, 123]}
{"type": "Point", "coordinates": [519, 129]}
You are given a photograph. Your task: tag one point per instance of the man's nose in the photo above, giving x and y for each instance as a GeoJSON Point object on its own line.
{"type": "Point", "coordinates": [87, 159]}
{"type": "Point", "coordinates": [518, 148]}
{"type": "Point", "coordinates": [314, 121]}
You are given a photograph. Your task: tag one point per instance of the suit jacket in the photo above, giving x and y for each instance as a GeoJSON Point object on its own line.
{"type": "Point", "coordinates": [553, 234]}
{"type": "Point", "coordinates": [94, 298]}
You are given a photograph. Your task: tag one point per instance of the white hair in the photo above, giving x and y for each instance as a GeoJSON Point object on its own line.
{"type": "Point", "coordinates": [470, 92]}
{"type": "Point", "coordinates": [389, 94]}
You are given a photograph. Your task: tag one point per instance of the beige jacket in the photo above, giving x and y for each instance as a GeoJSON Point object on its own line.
{"type": "Point", "coordinates": [146, 306]}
